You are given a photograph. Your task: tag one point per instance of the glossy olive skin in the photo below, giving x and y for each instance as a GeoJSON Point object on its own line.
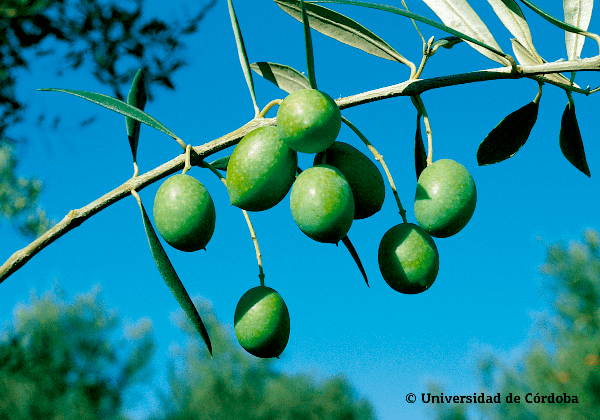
{"type": "Point", "coordinates": [308, 120]}
{"type": "Point", "coordinates": [262, 322]}
{"type": "Point", "coordinates": [261, 170]}
{"type": "Point", "coordinates": [445, 199]}
{"type": "Point", "coordinates": [322, 204]}
{"type": "Point", "coordinates": [184, 213]}
{"type": "Point", "coordinates": [366, 182]}
{"type": "Point", "coordinates": [408, 259]}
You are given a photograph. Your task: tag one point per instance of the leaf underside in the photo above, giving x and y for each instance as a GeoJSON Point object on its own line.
{"type": "Point", "coordinates": [508, 136]}
{"type": "Point", "coordinates": [118, 106]}
{"type": "Point", "coordinates": [420, 154]}
{"type": "Point", "coordinates": [284, 77]}
{"type": "Point", "coordinates": [570, 141]}
{"type": "Point", "coordinates": [350, 247]}
{"type": "Point", "coordinates": [341, 28]}
{"type": "Point", "coordinates": [172, 279]}
{"type": "Point", "coordinates": [577, 13]}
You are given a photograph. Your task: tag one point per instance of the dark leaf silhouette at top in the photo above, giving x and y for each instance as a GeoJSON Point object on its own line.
{"type": "Point", "coordinates": [420, 154]}
{"type": "Point", "coordinates": [508, 136]}
{"type": "Point", "coordinates": [571, 143]}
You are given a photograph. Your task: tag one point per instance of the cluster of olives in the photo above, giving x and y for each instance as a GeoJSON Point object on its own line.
{"type": "Point", "coordinates": [342, 185]}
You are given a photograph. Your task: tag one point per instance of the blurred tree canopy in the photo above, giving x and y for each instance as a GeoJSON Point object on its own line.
{"type": "Point", "coordinates": [111, 37]}
{"type": "Point", "coordinates": [72, 360]}
{"type": "Point", "coordinates": [566, 361]}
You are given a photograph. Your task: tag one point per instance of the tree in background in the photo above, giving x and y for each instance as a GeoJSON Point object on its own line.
{"type": "Point", "coordinates": [568, 359]}
{"type": "Point", "coordinates": [65, 360]}
{"type": "Point", "coordinates": [235, 385]}
{"type": "Point", "coordinates": [111, 37]}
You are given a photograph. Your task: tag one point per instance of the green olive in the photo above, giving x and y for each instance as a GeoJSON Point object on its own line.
{"type": "Point", "coordinates": [445, 198]}
{"type": "Point", "coordinates": [408, 259]}
{"type": "Point", "coordinates": [308, 120]}
{"type": "Point", "coordinates": [261, 170]}
{"type": "Point", "coordinates": [363, 176]}
{"type": "Point", "coordinates": [262, 322]}
{"type": "Point", "coordinates": [184, 213]}
{"type": "Point", "coordinates": [322, 204]}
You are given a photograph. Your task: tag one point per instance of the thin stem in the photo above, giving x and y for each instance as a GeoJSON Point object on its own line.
{"type": "Point", "coordinates": [181, 142]}
{"type": "Point", "coordinates": [418, 102]}
{"type": "Point", "coordinates": [136, 170]}
{"type": "Point", "coordinates": [187, 166]}
{"type": "Point", "coordinates": [379, 158]}
{"type": "Point", "coordinates": [414, 23]}
{"type": "Point", "coordinates": [539, 95]}
{"type": "Point", "coordinates": [268, 107]}
{"type": "Point", "coordinates": [427, 52]}
{"type": "Point", "coordinates": [261, 274]}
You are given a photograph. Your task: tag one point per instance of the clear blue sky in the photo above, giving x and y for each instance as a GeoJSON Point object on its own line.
{"type": "Point", "coordinates": [488, 289]}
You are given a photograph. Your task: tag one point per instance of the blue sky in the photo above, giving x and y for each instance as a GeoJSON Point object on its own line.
{"type": "Point", "coordinates": [488, 291]}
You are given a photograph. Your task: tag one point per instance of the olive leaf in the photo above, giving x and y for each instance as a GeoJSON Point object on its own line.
{"type": "Point", "coordinates": [512, 17]}
{"type": "Point", "coordinates": [285, 77]}
{"type": "Point", "coordinates": [420, 18]}
{"type": "Point", "coordinates": [350, 247]}
{"type": "Point", "coordinates": [137, 97]}
{"type": "Point", "coordinates": [524, 56]}
{"type": "Point", "coordinates": [570, 141]}
{"type": "Point", "coordinates": [172, 279]}
{"type": "Point", "coordinates": [242, 53]}
{"type": "Point", "coordinates": [420, 154]}
{"type": "Point", "coordinates": [459, 15]}
{"type": "Point", "coordinates": [577, 13]}
{"type": "Point", "coordinates": [221, 163]}
{"type": "Point", "coordinates": [508, 136]}
{"type": "Point", "coordinates": [562, 25]}
{"type": "Point", "coordinates": [118, 106]}
{"type": "Point", "coordinates": [341, 28]}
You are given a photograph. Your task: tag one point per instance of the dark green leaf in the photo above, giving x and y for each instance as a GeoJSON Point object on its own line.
{"type": "Point", "coordinates": [350, 247]}
{"type": "Point", "coordinates": [137, 97]}
{"type": "Point", "coordinates": [172, 279]}
{"type": "Point", "coordinates": [571, 143]}
{"type": "Point", "coordinates": [551, 19]}
{"type": "Point", "coordinates": [242, 53]}
{"type": "Point", "coordinates": [414, 16]}
{"type": "Point", "coordinates": [285, 77]}
{"type": "Point", "coordinates": [508, 136]}
{"type": "Point", "coordinates": [420, 154]}
{"type": "Point", "coordinates": [221, 163]}
{"type": "Point", "coordinates": [310, 58]}
{"type": "Point", "coordinates": [118, 106]}
{"type": "Point", "coordinates": [447, 42]}
{"type": "Point", "coordinates": [341, 28]}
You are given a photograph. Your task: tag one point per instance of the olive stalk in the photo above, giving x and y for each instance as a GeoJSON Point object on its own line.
{"type": "Point", "coordinates": [268, 107]}
{"type": "Point", "coordinates": [187, 166]}
{"type": "Point", "coordinates": [418, 102]}
{"type": "Point", "coordinates": [379, 159]}
{"type": "Point", "coordinates": [261, 274]}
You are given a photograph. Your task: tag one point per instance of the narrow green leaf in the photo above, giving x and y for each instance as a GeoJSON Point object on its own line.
{"type": "Point", "coordinates": [459, 15]}
{"type": "Point", "coordinates": [447, 42]}
{"type": "Point", "coordinates": [570, 141]}
{"type": "Point", "coordinates": [172, 279]}
{"type": "Point", "coordinates": [242, 54]}
{"type": "Point", "coordinates": [310, 58]}
{"type": "Point", "coordinates": [221, 163]}
{"type": "Point", "coordinates": [350, 247]}
{"type": "Point", "coordinates": [420, 154]}
{"type": "Point", "coordinates": [508, 136]}
{"type": "Point", "coordinates": [118, 106]}
{"type": "Point", "coordinates": [551, 19]}
{"type": "Point", "coordinates": [512, 17]}
{"type": "Point", "coordinates": [577, 13]}
{"type": "Point", "coordinates": [525, 57]}
{"type": "Point", "coordinates": [420, 18]}
{"type": "Point", "coordinates": [137, 97]}
{"type": "Point", "coordinates": [341, 28]}
{"type": "Point", "coordinates": [285, 77]}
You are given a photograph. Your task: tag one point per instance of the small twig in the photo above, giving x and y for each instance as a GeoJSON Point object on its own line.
{"type": "Point", "coordinates": [379, 159]}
